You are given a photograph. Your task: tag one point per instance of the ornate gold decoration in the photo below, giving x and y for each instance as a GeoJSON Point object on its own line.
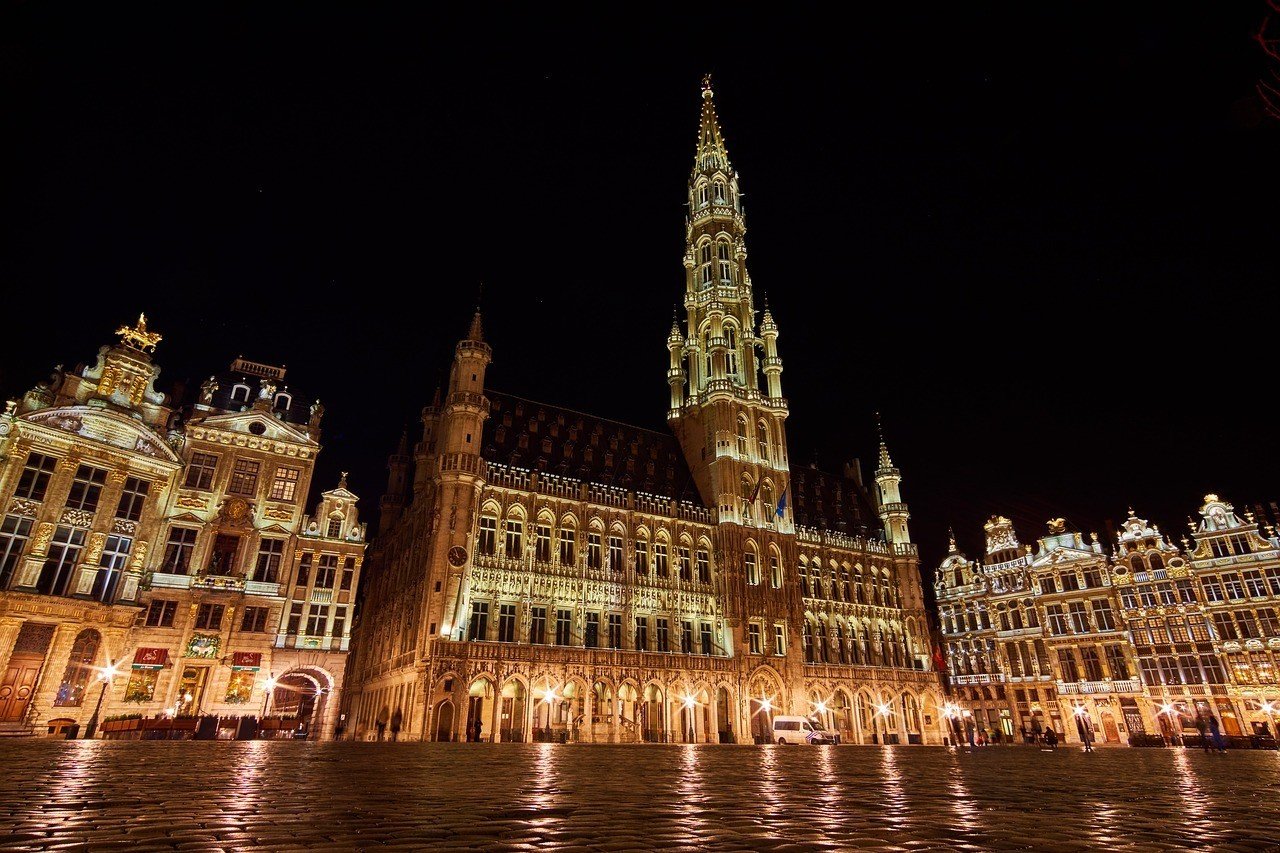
{"type": "Point", "coordinates": [96, 541]}
{"type": "Point", "coordinates": [1057, 526]}
{"type": "Point", "coordinates": [139, 555]}
{"type": "Point", "coordinates": [138, 337]}
{"type": "Point", "coordinates": [278, 513]}
{"type": "Point", "coordinates": [235, 511]}
{"type": "Point", "coordinates": [20, 506]}
{"type": "Point", "coordinates": [77, 517]}
{"type": "Point", "coordinates": [41, 545]}
{"type": "Point", "coordinates": [192, 502]}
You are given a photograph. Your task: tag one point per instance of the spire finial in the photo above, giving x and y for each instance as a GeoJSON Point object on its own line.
{"type": "Point", "coordinates": [479, 295]}
{"type": "Point", "coordinates": [711, 154]}
{"type": "Point", "coordinates": [951, 535]}
{"type": "Point", "coordinates": [707, 91]}
{"type": "Point", "coordinates": [138, 337]}
{"type": "Point", "coordinates": [885, 460]}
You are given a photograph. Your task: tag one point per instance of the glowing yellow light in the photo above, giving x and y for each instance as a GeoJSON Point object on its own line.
{"type": "Point", "coordinates": [108, 672]}
{"type": "Point", "coordinates": [1166, 709]}
{"type": "Point", "coordinates": [550, 696]}
{"type": "Point", "coordinates": [765, 704]}
{"type": "Point", "coordinates": [883, 710]}
{"type": "Point", "coordinates": [689, 701]}
{"type": "Point", "coordinates": [1080, 711]}
{"type": "Point", "coordinates": [270, 683]}
{"type": "Point", "coordinates": [820, 707]}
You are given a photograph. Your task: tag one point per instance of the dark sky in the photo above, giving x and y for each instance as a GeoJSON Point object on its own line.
{"type": "Point", "coordinates": [1041, 240]}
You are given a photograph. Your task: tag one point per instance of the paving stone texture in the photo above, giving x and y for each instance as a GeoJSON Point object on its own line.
{"type": "Point", "coordinates": [87, 795]}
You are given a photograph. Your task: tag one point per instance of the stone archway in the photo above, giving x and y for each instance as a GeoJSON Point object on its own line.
{"type": "Point", "coordinates": [305, 693]}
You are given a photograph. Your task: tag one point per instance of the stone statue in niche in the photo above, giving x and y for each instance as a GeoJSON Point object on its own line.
{"type": "Point", "coordinates": [207, 389]}
{"type": "Point", "coordinates": [266, 390]}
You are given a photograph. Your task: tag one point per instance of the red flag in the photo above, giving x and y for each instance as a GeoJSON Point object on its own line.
{"type": "Point", "coordinates": [755, 493]}
{"type": "Point", "coordinates": [939, 662]}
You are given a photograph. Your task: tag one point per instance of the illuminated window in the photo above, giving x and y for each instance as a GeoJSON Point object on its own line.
{"type": "Point", "coordinates": [244, 477]}
{"type": "Point", "coordinates": [660, 566]}
{"type": "Point", "coordinates": [487, 536]}
{"type": "Point", "coordinates": [724, 261]}
{"type": "Point", "coordinates": [86, 488]}
{"type": "Point", "coordinates": [200, 471]}
{"type": "Point", "coordinates": [34, 481]}
{"type": "Point", "coordinates": [752, 567]}
{"type": "Point", "coordinates": [753, 638]}
{"type": "Point", "coordinates": [285, 484]}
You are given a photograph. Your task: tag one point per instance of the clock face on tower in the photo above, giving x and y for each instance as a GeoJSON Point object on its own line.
{"type": "Point", "coordinates": [457, 556]}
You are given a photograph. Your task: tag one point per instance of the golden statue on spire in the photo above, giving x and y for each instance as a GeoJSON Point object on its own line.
{"type": "Point", "coordinates": [138, 337]}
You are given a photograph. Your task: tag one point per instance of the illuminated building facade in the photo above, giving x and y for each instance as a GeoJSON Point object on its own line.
{"type": "Point", "coordinates": [541, 573]}
{"type": "Point", "coordinates": [169, 542]}
{"type": "Point", "coordinates": [1138, 642]}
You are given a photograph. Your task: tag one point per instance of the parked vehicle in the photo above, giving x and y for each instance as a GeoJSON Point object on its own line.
{"type": "Point", "coordinates": [800, 730]}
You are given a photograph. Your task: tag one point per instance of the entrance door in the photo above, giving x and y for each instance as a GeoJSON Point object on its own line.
{"type": "Point", "coordinates": [475, 714]}
{"type": "Point", "coordinates": [191, 690]}
{"type": "Point", "coordinates": [1109, 727]}
{"type": "Point", "coordinates": [17, 686]}
{"type": "Point", "coordinates": [444, 721]}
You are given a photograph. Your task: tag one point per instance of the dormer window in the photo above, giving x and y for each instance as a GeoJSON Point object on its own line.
{"type": "Point", "coordinates": [335, 528]}
{"type": "Point", "coordinates": [240, 393]}
{"type": "Point", "coordinates": [284, 401]}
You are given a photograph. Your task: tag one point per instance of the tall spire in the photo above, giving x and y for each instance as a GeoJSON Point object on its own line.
{"type": "Point", "coordinates": [885, 460]}
{"type": "Point", "coordinates": [476, 332]}
{"type": "Point", "coordinates": [711, 152]}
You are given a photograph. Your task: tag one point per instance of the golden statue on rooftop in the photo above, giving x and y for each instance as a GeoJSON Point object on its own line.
{"type": "Point", "coordinates": [138, 337]}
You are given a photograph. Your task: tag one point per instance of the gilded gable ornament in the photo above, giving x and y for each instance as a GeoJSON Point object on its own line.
{"type": "Point", "coordinates": [138, 337]}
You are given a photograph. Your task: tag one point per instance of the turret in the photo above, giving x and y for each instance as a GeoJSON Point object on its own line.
{"type": "Point", "coordinates": [397, 485]}
{"type": "Point", "coordinates": [893, 512]}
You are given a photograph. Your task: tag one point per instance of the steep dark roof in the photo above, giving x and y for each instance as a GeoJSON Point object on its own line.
{"type": "Point", "coordinates": [541, 437]}
{"type": "Point", "coordinates": [832, 502]}
{"type": "Point", "coordinates": [299, 410]}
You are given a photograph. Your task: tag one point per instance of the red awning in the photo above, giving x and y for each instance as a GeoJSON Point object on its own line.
{"type": "Point", "coordinates": [150, 658]}
{"type": "Point", "coordinates": [246, 660]}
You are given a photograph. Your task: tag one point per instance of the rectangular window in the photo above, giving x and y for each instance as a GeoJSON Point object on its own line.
{"type": "Point", "coordinates": [339, 621]}
{"type": "Point", "coordinates": [591, 639]}
{"type": "Point", "coordinates": [1079, 618]}
{"type": "Point", "coordinates": [686, 563]}
{"type": "Point", "coordinates": [642, 557]}
{"type": "Point", "coordinates": [1186, 592]}
{"type": "Point", "coordinates": [568, 546]}
{"type": "Point", "coordinates": [1128, 598]}
{"type": "Point", "coordinates": [1047, 584]}
{"type": "Point", "coordinates": [160, 613]}
{"type": "Point", "coordinates": [615, 630]}
{"type": "Point", "coordinates": [514, 531]}
{"type": "Point", "coordinates": [200, 471]}
{"type": "Point", "coordinates": [1232, 586]}
{"type": "Point", "coordinates": [222, 560]}
{"type": "Point", "coordinates": [1213, 669]}
{"type": "Point", "coordinates": [114, 558]}
{"type": "Point", "coordinates": [1225, 626]}
{"type": "Point", "coordinates": [705, 636]}
{"type": "Point", "coordinates": [704, 566]}
{"type": "Point", "coordinates": [1268, 623]}
{"type": "Point", "coordinates": [132, 498]}
{"type": "Point", "coordinates": [1117, 663]}
{"type": "Point", "coordinates": [1254, 584]}
{"type": "Point", "coordinates": [1212, 588]}
{"type": "Point", "coordinates": [270, 552]}
{"type": "Point", "coordinates": [304, 568]}
{"type": "Point", "coordinates": [642, 633]}
{"type": "Point", "coordinates": [316, 617]}
{"type": "Point", "coordinates": [543, 543]}
{"type": "Point", "coordinates": [753, 638]}
{"type": "Point", "coordinates": [209, 617]}
{"type": "Point", "coordinates": [615, 553]}
{"type": "Point", "coordinates": [295, 617]}
{"type": "Point", "coordinates": [1169, 673]}
{"type": "Point", "coordinates": [1150, 672]}
{"type": "Point", "coordinates": [775, 571]}
{"type": "Point", "coordinates": [506, 623]}
{"type": "Point", "coordinates": [254, 619]}
{"type": "Point", "coordinates": [244, 478]}
{"type": "Point", "coordinates": [752, 567]}
{"type": "Point", "coordinates": [1067, 664]}
{"type": "Point", "coordinates": [334, 530]}
{"type": "Point", "coordinates": [1147, 595]}
{"type": "Point", "coordinates": [284, 485]}
{"type": "Point", "coordinates": [595, 551]}
{"type": "Point", "coordinates": [178, 550]}
{"type": "Point", "coordinates": [1167, 596]}
{"type": "Point", "coordinates": [664, 635]}
{"type": "Point", "coordinates": [34, 481]}
{"type": "Point", "coordinates": [326, 571]}
{"type": "Point", "coordinates": [1102, 615]}
{"type": "Point", "coordinates": [538, 625]}
{"type": "Point", "coordinates": [141, 686]}
{"type": "Point", "coordinates": [1057, 620]}
{"type": "Point", "coordinates": [15, 530]}
{"type": "Point", "coordinates": [686, 638]}
{"type": "Point", "coordinates": [660, 567]}
{"type": "Point", "coordinates": [1190, 669]}
{"type": "Point", "coordinates": [1248, 624]}
{"type": "Point", "coordinates": [779, 641]}
{"type": "Point", "coordinates": [348, 572]}
{"type": "Point", "coordinates": [1070, 582]}
{"type": "Point", "coordinates": [64, 553]}
{"type": "Point", "coordinates": [86, 488]}
{"type": "Point", "coordinates": [1092, 664]}
{"type": "Point", "coordinates": [1273, 580]}
{"type": "Point", "coordinates": [1177, 629]}
{"type": "Point", "coordinates": [487, 536]}
{"type": "Point", "coordinates": [1092, 578]}
{"type": "Point", "coordinates": [564, 627]}
{"type": "Point", "coordinates": [240, 687]}
{"type": "Point", "coordinates": [478, 628]}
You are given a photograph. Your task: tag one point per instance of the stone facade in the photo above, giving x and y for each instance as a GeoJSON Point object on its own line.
{"type": "Point", "coordinates": [541, 573]}
{"type": "Point", "coordinates": [165, 544]}
{"type": "Point", "coordinates": [1135, 643]}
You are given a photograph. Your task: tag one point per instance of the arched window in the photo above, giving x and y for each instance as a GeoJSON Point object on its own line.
{"type": "Point", "coordinates": [804, 578]}
{"type": "Point", "coordinates": [284, 401]}
{"type": "Point", "coordinates": [240, 393]}
{"type": "Point", "coordinates": [762, 441]}
{"type": "Point", "coordinates": [704, 264]}
{"type": "Point", "coordinates": [79, 671]}
{"type": "Point", "coordinates": [742, 436]}
{"type": "Point", "coordinates": [718, 191]}
{"type": "Point", "coordinates": [702, 195]}
{"type": "Point", "coordinates": [751, 562]}
{"type": "Point", "coordinates": [708, 372]}
{"type": "Point", "coordinates": [1157, 564]}
{"type": "Point", "coordinates": [724, 261]}
{"type": "Point", "coordinates": [808, 642]}
{"type": "Point", "coordinates": [1136, 562]}
{"type": "Point", "coordinates": [731, 357]}
{"type": "Point", "coordinates": [766, 503]}
{"type": "Point", "coordinates": [568, 542]}
{"type": "Point", "coordinates": [775, 569]}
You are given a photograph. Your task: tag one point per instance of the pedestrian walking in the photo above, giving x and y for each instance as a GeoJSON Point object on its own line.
{"type": "Point", "coordinates": [1215, 732]}
{"type": "Point", "coordinates": [381, 722]}
{"type": "Point", "coordinates": [1035, 729]}
{"type": "Point", "coordinates": [396, 719]}
{"type": "Point", "coordinates": [1051, 738]}
{"type": "Point", "coordinates": [1086, 736]}
{"type": "Point", "coordinates": [1203, 729]}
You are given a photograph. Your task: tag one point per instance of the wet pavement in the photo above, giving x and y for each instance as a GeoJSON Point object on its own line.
{"type": "Point", "coordinates": [348, 796]}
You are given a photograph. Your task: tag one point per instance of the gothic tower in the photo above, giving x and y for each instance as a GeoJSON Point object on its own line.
{"type": "Point", "coordinates": [728, 419]}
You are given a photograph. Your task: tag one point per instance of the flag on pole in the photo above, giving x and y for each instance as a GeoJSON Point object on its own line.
{"type": "Point", "coordinates": [755, 493]}
{"type": "Point", "coordinates": [782, 503]}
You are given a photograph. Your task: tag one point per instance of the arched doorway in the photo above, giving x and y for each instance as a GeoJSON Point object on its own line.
{"type": "Point", "coordinates": [911, 717]}
{"type": "Point", "coordinates": [603, 722]}
{"type": "Point", "coordinates": [80, 668]}
{"type": "Point", "coordinates": [302, 694]}
{"type": "Point", "coordinates": [514, 699]}
{"type": "Point", "coordinates": [444, 720]}
{"type": "Point", "coordinates": [628, 708]}
{"type": "Point", "coordinates": [652, 722]}
{"type": "Point", "coordinates": [842, 712]}
{"type": "Point", "coordinates": [480, 710]}
{"type": "Point", "coordinates": [724, 715]}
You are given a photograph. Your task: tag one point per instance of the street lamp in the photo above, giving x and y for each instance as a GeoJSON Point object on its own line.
{"type": "Point", "coordinates": [269, 687]}
{"type": "Point", "coordinates": [105, 675]}
{"type": "Point", "coordinates": [1168, 710]}
{"type": "Point", "coordinates": [689, 704]}
{"type": "Point", "coordinates": [1269, 708]}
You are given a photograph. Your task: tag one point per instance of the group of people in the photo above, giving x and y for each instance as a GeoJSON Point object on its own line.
{"type": "Point", "coordinates": [1210, 733]}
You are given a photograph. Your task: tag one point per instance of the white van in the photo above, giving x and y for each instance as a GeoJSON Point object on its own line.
{"type": "Point", "coordinates": [800, 730]}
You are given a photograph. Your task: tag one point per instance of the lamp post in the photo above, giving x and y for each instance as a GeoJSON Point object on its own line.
{"type": "Point", "coordinates": [108, 672]}
{"type": "Point", "coordinates": [268, 687]}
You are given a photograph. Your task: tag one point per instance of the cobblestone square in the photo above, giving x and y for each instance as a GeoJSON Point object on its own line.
{"type": "Point", "coordinates": [348, 796]}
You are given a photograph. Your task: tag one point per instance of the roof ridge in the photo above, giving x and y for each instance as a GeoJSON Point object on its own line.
{"type": "Point", "coordinates": [661, 433]}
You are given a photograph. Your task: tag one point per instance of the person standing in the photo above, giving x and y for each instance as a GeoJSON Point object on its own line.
{"type": "Point", "coordinates": [381, 722]}
{"type": "Point", "coordinates": [1086, 736]}
{"type": "Point", "coordinates": [1203, 729]}
{"type": "Point", "coordinates": [397, 719]}
{"type": "Point", "coordinates": [1035, 729]}
{"type": "Point", "coordinates": [1051, 738]}
{"type": "Point", "coordinates": [1215, 732]}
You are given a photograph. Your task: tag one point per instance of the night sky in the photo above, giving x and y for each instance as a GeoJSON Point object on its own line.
{"type": "Point", "coordinates": [1039, 240]}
